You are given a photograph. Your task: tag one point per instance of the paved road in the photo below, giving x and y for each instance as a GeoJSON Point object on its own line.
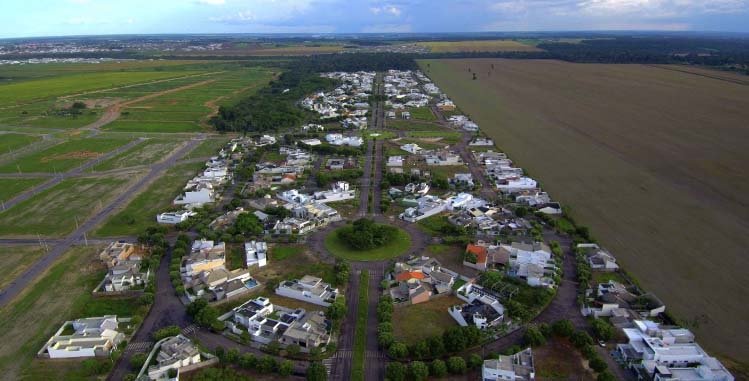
{"type": "Point", "coordinates": [61, 176]}
{"type": "Point", "coordinates": [158, 169]}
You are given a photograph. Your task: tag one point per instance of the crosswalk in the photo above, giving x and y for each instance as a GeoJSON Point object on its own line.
{"type": "Point", "coordinates": [190, 329]}
{"type": "Point", "coordinates": [139, 347]}
{"type": "Point", "coordinates": [374, 355]}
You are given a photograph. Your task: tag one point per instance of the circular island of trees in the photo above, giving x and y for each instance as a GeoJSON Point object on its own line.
{"type": "Point", "coordinates": [366, 240]}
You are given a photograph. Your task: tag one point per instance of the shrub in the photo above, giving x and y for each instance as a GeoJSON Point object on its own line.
{"type": "Point", "coordinates": [456, 365]}
{"type": "Point", "coordinates": [438, 368]}
{"type": "Point", "coordinates": [395, 371]}
{"type": "Point", "coordinates": [165, 332]}
{"type": "Point", "coordinates": [418, 371]}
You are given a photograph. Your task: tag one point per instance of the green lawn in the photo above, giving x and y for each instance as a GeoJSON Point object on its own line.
{"type": "Point", "coordinates": [11, 142]}
{"type": "Point", "coordinates": [62, 293]}
{"type": "Point", "coordinates": [148, 152]}
{"type": "Point", "coordinates": [64, 156]}
{"type": "Point", "coordinates": [397, 247]}
{"type": "Point", "coordinates": [54, 211]}
{"type": "Point", "coordinates": [447, 136]}
{"type": "Point", "coordinates": [360, 331]}
{"type": "Point", "coordinates": [279, 253]}
{"type": "Point", "coordinates": [143, 208]}
{"type": "Point", "coordinates": [9, 188]}
{"type": "Point", "coordinates": [417, 322]}
{"type": "Point", "coordinates": [413, 125]}
{"type": "Point", "coordinates": [422, 113]}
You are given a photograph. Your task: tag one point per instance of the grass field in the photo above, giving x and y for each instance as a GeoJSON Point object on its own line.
{"type": "Point", "coordinates": [651, 159]}
{"type": "Point", "coordinates": [148, 152]}
{"type": "Point", "coordinates": [18, 259]}
{"type": "Point", "coordinates": [360, 330]}
{"type": "Point", "coordinates": [208, 148]}
{"type": "Point", "coordinates": [413, 125]}
{"type": "Point", "coordinates": [153, 126]}
{"type": "Point", "coordinates": [478, 46]}
{"type": "Point", "coordinates": [142, 210]}
{"type": "Point", "coordinates": [398, 246]}
{"type": "Point", "coordinates": [54, 211]}
{"type": "Point", "coordinates": [12, 142]}
{"type": "Point", "coordinates": [419, 321]}
{"type": "Point", "coordinates": [560, 360]}
{"type": "Point", "coordinates": [64, 156]}
{"type": "Point", "coordinates": [62, 293]}
{"type": "Point", "coordinates": [9, 188]}
{"type": "Point", "coordinates": [422, 113]}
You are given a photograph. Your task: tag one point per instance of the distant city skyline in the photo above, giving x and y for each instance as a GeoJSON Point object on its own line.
{"type": "Point", "coordinates": [96, 17]}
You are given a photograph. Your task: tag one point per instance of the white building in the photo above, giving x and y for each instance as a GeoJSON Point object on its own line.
{"type": "Point", "coordinates": [427, 206]}
{"type": "Point", "coordinates": [91, 337]}
{"type": "Point", "coordinates": [196, 197]}
{"type": "Point", "coordinates": [482, 308]}
{"type": "Point", "coordinates": [532, 262]}
{"type": "Point", "coordinates": [174, 353]}
{"type": "Point", "coordinates": [481, 142]}
{"type": "Point", "coordinates": [395, 161]}
{"type": "Point", "coordinates": [256, 253]}
{"type": "Point", "coordinates": [516, 184]}
{"type": "Point", "coordinates": [516, 367]}
{"type": "Point", "coordinates": [172, 218]}
{"type": "Point", "coordinates": [459, 201]}
{"type": "Point", "coordinates": [311, 142]}
{"type": "Point", "coordinates": [411, 148]}
{"type": "Point", "coordinates": [309, 289]}
{"type": "Point", "coordinates": [340, 191]}
{"type": "Point", "coordinates": [669, 354]}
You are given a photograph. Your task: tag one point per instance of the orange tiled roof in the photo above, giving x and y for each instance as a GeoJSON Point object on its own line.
{"type": "Point", "coordinates": [478, 251]}
{"type": "Point", "coordinates": [406, 275]}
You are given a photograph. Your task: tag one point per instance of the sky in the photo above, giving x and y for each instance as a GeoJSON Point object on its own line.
{"type": "Point", "coordinates": [31, 18]}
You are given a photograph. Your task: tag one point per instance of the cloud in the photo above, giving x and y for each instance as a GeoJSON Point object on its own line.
{"type": "Point", "coordinates": [387, 28]}
{"type": "Point", "coordinates": [661, 8]}
{"type": "Point", "coordinates": [386, 9]}
{"type": "Point", "coordinates": [211, 2]}
{"type": "Point", "coordinates": [237, 18]}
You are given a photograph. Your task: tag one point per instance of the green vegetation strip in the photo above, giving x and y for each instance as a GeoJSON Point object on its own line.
{"type": "Point", "coordinates": [397, 246]}
{"type": "Point", "coordinates": [64, 156]}
{"type": "Point", "coordinates": [11, 142]}
{"type": "Point", "coordinates": [360, 334]}
{"type": "Point", "coordinates": [9, 188]}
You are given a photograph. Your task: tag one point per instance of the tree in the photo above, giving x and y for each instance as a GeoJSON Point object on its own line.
{"type": "Point", "coordinates": [267, 364]}
{"type": "Point", "coordinates": [563, 328]}
{"type": "Point", "coordinates": [165, 332]}
{"type": "Point", "coordinates": [293, 350]}
{"type": "Point", "coordinates": [285, 368]}
{"type": "Point", "coordinates": [602, 330]}
{"type": "Point", "coordinates": [454, 339]}
{"type": "Point", "coordinates": [521, 211]}
{"type": "Point", "coordinates": [248, 224]}
{"type": "Point", "coordinates": [436, 346]}
{"type": "Point", "coordinates": [337, 310]}
{"type": "Point", "coordinates": [365, 234]}
{"type": "Point", "coordinates": [137, 360]}
{"type": "Point", "coordinates": [456, 365]}
{"type": "Point", "coordinates": [605, 376]}
{"type": "Point", "coordinates": [395, 371]}
{"type": "Point", "coordinates": [475, 361]}
{"type": "Point", "coordinates": [232, 356]}
{"type": "Point", "coordinates": [316, 372]}
{"type": "Point", "coordinates": [418, 371]}
{"type": "Point", "coordinates": [398, 350]}
{"type": "Point", "coordinates": [581, 339]}
{"type": "Point", "coordinates": [420, 349]}
{"type": "Point", "coordinates": [597, 364]}
{"type": "Point", "coordinates": [438, 368]}
{"type": "Point", "coordinates": [533, 337]}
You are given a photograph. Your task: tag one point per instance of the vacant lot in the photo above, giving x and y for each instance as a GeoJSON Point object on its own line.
{"type": "Point", "coordinates": [560, 360]}
{"type": "Point", "coordinates": [64, 156]}
{"type": "Point", "coordinates": [17, 260]}
{"type": "Point", "coordinates": [478, 46]}
{"type": "Point", "coordinates": [652, 159]}
{"type": "Point", "coordinates": [148, 152]}
{"type": "Point", "coordinates": [142, 210]}
{"type": "Point", "coordinates": [417, 322]}
{"type": "Point", "coordinates": [62, 293]}
{"type": "Point", "coordinates": [54, 212]}
{"type": "Point", "coordinates": [9, 188]}
{"type": "Point", "coordinates": [11, 142]}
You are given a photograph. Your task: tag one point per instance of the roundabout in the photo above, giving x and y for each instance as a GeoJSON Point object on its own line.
{"type": "Point", "coordinates": [397, 244]}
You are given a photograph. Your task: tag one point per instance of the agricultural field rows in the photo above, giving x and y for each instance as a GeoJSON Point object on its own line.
{"type": "Point", "coordinates": [649, 158]}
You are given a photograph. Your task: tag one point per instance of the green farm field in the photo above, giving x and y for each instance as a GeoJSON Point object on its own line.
{"type": "Point", "coordinates": [148, 152]}
{"type": "Point", "coordinates": [12, 142]}
{"type": "Point", "coordinates": [64, 156]}
{"type": "Point", "coordinates": [478, 46]}
{"type": "Point", "coordinates": [652, 159]}
{"type": "Point", "coordinates": [53, 212]}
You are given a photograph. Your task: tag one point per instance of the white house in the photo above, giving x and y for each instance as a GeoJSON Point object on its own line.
{"type": "Point", "coordinates": [427, 206]}
{"type": "Point", "coordinates": [196, 197]}
{"type": "Point", "coordinates": [172, 218]}
{"type": "Point", "coordinates": [532, 262]}
{"type": "Point", "coordinates": [411, 148]}
{"type": "Point", "coordinates": [395, 161]}
{"type": "Point", "coordinates": [91, 337]}
{"type": "Point", "coordinates": [256, 253]}
{"type": "Point", "coordinates": [598, 258]}
{"type": "Point", "coordinates": [482, 308]}
{"type": "Point", "coordinates": [173, 353]}
{"type": "Point", "coordinates": [516, 367]}
{"type": "Point", "coordinates": [311, 142]}
{"type": "Point", "coordinates": [459, 201]}
{"type": "Point", "coordinates": [481, 142]}
{"type": "Point", "coordinates": [669, 354]}
{"type": "Point", "coordinates": [309, 289]}
{"type": "Point", "coordinates": [516, 184]}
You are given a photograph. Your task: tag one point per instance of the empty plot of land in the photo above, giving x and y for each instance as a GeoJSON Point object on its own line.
{"type": "Point", "coordinates": [54, 212]}
{"type": "Point", "coordinates": [11, 142]}
{"type": "Point", "coordinates": [64, 156]}
{"type": "Point", "coordinates": [142, 210]}
{"type": "Point", "coordinates": [148, 152]}
{"type": "Point", "coordinates": [9, 188]}
{"type": "Point", "coordinates": [653, 160]}
{"type": "Point", "coordinates": [413, 323]}
{"type": "Point", "coordinates": [62, 293]}
{"type": "Point", "coordinates": [478, 46]}
{"type": "Point", "coordinates": [17, 259]}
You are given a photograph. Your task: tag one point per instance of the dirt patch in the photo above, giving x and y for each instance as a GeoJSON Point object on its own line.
{"type": "Point", "coordinates": [71, 156]}
{"type": "Point", "coordinates": [560, 360]}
